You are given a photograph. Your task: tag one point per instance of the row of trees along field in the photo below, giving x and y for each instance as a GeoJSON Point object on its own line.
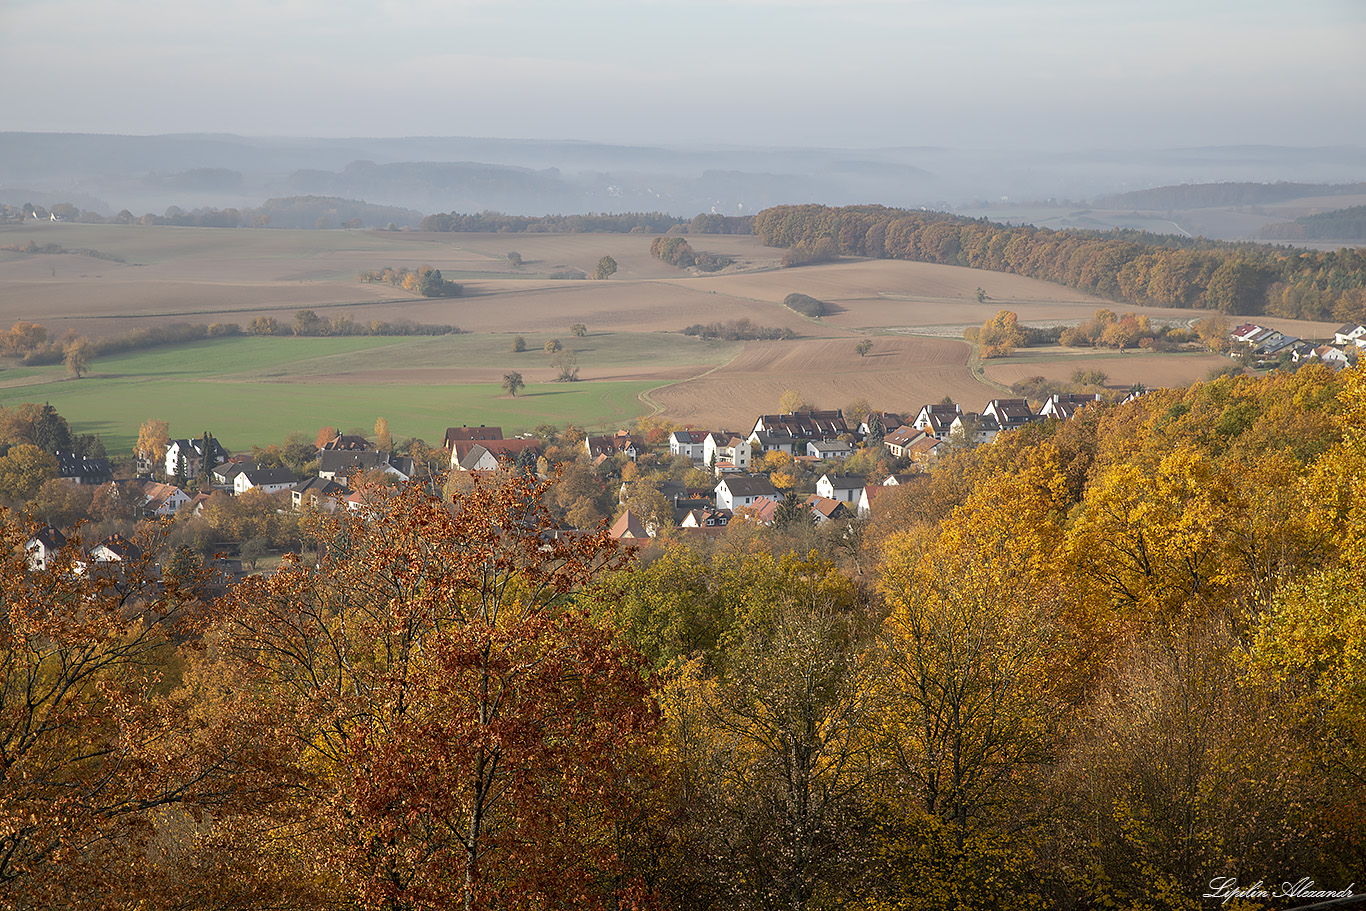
{"type": "Point", "coordinates": [604, 223]}
{"type": "Point", "coordinates": [1134, 267]}
{"type": "Point", "coordinates": [1093, 665]}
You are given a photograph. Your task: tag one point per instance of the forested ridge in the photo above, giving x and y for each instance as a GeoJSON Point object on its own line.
{"type": "Point", "coordinates": [1133, 267]}
{"type": "Point", "coordinates": [1340, 224]}
{"type": "Point", "coordinates": [1096, 664]}
{"type": "Point", "coordinates": [1229, 193]}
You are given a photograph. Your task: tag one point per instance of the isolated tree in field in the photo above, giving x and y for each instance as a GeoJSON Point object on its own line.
{"type": "Point", "coordinates": [567, 363]}
{"type": "Point", "coordinates": [579, 330]}
{"type": "Point", "coordinates": [607, 266]}
{"type": "Point", "coordinates": [553, 345]}
{"type": "Point", "coordinates": [512, 382]}
{"type": "Point", "coordinates": [513, 258]}
{"type": "Point", "coordinates": [864, 347]}
{"type": "Point", "coordinates": [78, 354]}
{"type": "Point", "coordinates": [518, 345]}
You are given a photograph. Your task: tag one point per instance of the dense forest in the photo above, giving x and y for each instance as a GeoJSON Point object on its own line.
{"type": "Point", "coordinates": [1341, 224]}
{"type": "Point", "coordinates": [1097, 664]}
{"type": "Point", "coordinates": [1133, 267]}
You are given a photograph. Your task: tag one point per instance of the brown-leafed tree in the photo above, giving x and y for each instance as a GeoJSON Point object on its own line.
{"type": "Point", "coordinates": [101, 766]}
{"type": "Point", "coordinates": [460, 732]}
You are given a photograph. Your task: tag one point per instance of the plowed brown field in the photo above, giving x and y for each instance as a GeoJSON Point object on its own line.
{"type": "Point", "coordinates": [1123, 370]}
{"type": "Point", "coordinates": [899, 374]}
{"type": "Point", "coordinates": [913, 312]}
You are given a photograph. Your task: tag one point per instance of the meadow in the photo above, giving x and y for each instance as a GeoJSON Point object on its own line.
{"type": "Point", "coordinates": [246, 391]}
{"type": "Point", "coordinates": [633, 361]}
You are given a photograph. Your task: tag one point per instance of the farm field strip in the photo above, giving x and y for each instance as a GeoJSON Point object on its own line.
{"type": "Point", "coordinates": [242, 414]}
{"type": "Point", "coordinates": [915, 313]}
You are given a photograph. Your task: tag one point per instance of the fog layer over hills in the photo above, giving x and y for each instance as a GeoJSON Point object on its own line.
{"type": "Point", "coordinates": [143, 174]}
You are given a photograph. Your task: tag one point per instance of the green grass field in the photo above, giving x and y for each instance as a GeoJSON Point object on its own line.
{"type": "Point", "coordinates": [255, 390]}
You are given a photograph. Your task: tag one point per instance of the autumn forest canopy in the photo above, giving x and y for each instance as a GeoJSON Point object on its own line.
{"type": "Point", "coordinates": [1124, 265]}
{"type": "Point", "coordinates": [1091, 665]}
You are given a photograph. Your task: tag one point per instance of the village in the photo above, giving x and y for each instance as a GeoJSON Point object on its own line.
{"type": "Point", "coordinates": [809, 466]}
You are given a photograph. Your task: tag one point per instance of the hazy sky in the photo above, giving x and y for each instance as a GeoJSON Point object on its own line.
{"type": "Point", "coordinates": [857, 73]}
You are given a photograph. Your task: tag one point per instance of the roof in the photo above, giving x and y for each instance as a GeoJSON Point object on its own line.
{"type": "Point", "coordinates": [763, 510]}
{"type": "Point", "coordinates": [923, 446]}
{"type": "Point", "coordinates": [259, 476]}
{"type": "Point", "coordinates": [825, 506]}
{"type": "Point", "coordinates": [346, 443]}
{"type": "Point", "coordinates": [628, 526]}
{"type": "Point", "coordinates": [890, 420]}
{"type": "Point", "coordinates": [119, 547]}
{"type": "Point", "coordinates": [466, 433]}
{"type": "Point", "coordinates": [609, 444]}
{"type": "Point", "coordinates": [844, 482]}
{"type": "Point", "coordinates": [902, 435]}
{"type": "Point", "coordinates": [159, 494]}
{"type": "Point", "coordinates": [473, 456]}
{"type": "Point", "coordinates": [1009, 411]}
{"type": "Point", "coordinates": [804, 423]}
{"type": "Point", "coordinates": [344, 462]}
{"type": "Point", "coordinates": [509, 449]}
{"type": "Point", "coordinates": [196, 445]}
{"type": "Point", "coordinates": [751, 486]}
{"type": "Point", "coordinates": [49, 537]}
{"type": "Point", "coordinates": [71, 465]}
{"type": "Point", "coordinates": [690, 437]}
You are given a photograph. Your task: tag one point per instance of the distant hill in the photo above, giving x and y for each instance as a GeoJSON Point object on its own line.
{"type": "Point", "coordinates": [1341, 224]}
{"type": "Point", "coordinates": [151, 174]}
{"type": "Point", "coordinates": [1212, 195]}
{"type": "Point", "coordinates": [329, 211]}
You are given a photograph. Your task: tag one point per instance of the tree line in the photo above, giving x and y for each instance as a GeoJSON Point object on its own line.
{"type": "Point", "coordinates": [1134, 267]}
{"type": "Point", "coordinates": [319, 212]}
{"type": "Point", "coordinates": [1341, 224]}
{"type": "Point", "coordinates": [589, 223]}
{"type": "Point", "coordinates": [1228, 193]}
{"type": "Point", "coordinates": [423, 280]}
{"type": "Point", "coordinates": [739, 330]}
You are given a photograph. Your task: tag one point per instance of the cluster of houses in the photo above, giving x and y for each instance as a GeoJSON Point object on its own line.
{"type": "Point", "coordinates": [1265, 345]}
{"type": "Point", "coordinates": [820, 437]}
{"type": "Point", "coordinates": [813, 438]}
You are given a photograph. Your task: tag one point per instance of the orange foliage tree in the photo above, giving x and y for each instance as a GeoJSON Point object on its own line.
{"type": "Point", "coordinates": [461, 733]}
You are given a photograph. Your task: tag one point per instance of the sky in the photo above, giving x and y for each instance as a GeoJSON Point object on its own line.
{"type": "Point", "coordinates": [776, 73]}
